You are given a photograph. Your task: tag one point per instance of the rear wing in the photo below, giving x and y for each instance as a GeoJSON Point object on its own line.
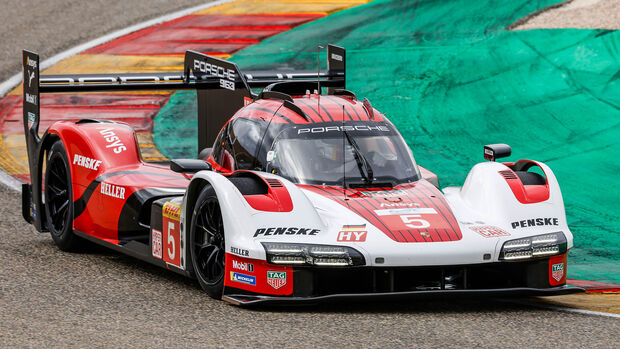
{"type": "Point", "coordinates": [221, 87]}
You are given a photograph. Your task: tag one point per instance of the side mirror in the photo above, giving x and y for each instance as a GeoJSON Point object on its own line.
{"type": "Point", "coordinates": [496, 151]}
{"type": "Point", "coordinates": [189, 165]}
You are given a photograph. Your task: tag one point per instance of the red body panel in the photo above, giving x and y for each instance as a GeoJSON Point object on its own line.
{"type": "Point", "coordinates": [106, 169]}
{"type": "Point", "coordinates": [557, 270]}
{"type": "Point", "coordinates": [324, 109]}
{"type": "Point", "coordinates": [526, 194]}
{"type": "Point", "coordinates": [415, 212]}
{"type": "Point", "coordinates": [254, 275]}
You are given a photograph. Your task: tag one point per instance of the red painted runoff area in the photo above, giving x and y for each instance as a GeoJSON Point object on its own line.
{"type": "Point", "coordinates": [594, 286]}
{"type": "Point", "coordinates": [211, 34]}
{"type": "Point", "coordinates": [136, 110]}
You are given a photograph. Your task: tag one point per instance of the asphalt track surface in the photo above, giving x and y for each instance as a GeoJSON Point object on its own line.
{"type": "Point", "coordinates": [102, 299]}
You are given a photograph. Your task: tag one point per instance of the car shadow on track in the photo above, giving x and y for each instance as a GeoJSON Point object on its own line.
{"type": "Point", "coordinates": [436, 306]}
{"type": "Point", "coordinates": [93, 253]}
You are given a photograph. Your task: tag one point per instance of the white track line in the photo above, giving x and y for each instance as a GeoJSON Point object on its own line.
{"type": "Point", "coordinates": [16, 79]}
{"type": "Point", "coordinates": [581, 311]}
{"type": "Point", "coordinates": [566, 309]}
{"type": "Point", "coordinates": [10, 181]}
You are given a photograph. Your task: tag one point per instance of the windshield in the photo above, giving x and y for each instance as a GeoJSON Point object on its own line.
{"type": "Point", "coordinates": [366, 153]}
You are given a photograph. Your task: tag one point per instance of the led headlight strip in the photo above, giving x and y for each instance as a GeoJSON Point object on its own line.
{"type": "Point", "coordinates": [308, 254]}
{"type": "Point", "coordinates": [534, 247]}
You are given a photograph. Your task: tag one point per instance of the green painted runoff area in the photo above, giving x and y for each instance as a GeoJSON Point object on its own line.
{"type": "Point", "coordinates": [453, 78]}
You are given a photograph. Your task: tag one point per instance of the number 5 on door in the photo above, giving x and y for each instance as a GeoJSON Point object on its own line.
{"type": "Point", "coordinates": [172, 236]}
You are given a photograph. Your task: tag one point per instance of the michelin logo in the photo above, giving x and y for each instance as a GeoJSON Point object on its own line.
{"type": "Point", "coordinates": [242, 278]}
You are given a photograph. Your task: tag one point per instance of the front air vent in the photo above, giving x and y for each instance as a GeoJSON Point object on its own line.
{"type": "Point", "coordinates": [274, 183]}
{"type": "Point", "coordinates": [508, 174]}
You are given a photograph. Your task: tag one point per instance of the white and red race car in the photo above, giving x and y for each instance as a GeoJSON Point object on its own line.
{"type": "Point", "coordinates": [303, 196]}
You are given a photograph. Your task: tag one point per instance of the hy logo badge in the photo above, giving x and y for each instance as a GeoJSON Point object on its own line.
{"type": "Point", "coordinates": [276, 279]}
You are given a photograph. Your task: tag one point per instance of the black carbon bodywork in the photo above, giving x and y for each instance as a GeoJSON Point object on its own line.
{"type": "Point", "coordinates": [249, 300]}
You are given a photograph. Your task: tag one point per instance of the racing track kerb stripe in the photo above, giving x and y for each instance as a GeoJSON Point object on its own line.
{"type": "Point", "coordinates": [79, 205]}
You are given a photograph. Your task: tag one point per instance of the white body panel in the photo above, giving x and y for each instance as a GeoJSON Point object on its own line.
{"type": "Point", "coordinates": [484, 200]}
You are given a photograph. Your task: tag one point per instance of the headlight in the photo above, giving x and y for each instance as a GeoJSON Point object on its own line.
{"type": "Point", "coordinates": [533, 247]}
{"type": "Point", "coordinates": [307, 254]}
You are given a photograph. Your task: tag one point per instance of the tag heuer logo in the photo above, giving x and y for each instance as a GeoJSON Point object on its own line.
{"type": "Point", "coordinates": [557, 271]}
{"type": "Point", "coordinates": [276, 279]}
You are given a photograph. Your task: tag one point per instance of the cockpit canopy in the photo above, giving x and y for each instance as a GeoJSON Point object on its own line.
{"type": "Point", "coordinates": [328, 153]}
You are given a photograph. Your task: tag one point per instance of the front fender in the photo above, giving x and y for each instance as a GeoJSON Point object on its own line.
{"type": "Point", "coordinates": [487, 197]}
{"type": "Point", "coordinates": [241, 220]}
{"type": "Point", "coordinates": [93, 147]}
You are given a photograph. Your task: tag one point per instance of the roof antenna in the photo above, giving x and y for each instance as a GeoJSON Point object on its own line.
{"type": "Point", "coordinates": [318, 77]}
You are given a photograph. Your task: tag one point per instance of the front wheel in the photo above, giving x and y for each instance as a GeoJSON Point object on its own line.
{"type": "Point", "coordinates": [208, 252]}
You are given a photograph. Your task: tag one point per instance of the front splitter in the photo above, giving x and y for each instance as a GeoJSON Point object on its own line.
{"type": "Point", "coordinates": [251, 300]}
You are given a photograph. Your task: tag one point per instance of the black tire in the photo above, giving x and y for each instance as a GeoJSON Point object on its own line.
{"type": "Point", "coordinates": [59, 200]}
{"type": "Point", "coordinates": [208, 251]}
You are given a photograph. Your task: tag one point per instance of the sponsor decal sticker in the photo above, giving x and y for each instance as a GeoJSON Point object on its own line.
{"type": "Point", "coordinates": [245, 266]}
{"type": "Point", "coordinates": [247, 101]}
{"type": "Point", "coordinates": [383, 193]}
{"type": "Point", "coordinates": [30, 77]}
{"type": "Point", "coordinates": [227, 76]}
{"type": "Point", "coordinates": [353, 233]}
{"type": "Point", "coordinates": [112, 190]}
{"type": "Point", "coordinates": [341, 128]}
{"type": "Point", "coordinates": [239, 251]}
{"type": "Point", "coordinates": [156, 243]}
{"type": "Point", "coordinates": [410, 210]}
{"type": "Point", "coordinates": [86, 162]}
{"type": "Point", "coordinates": [31, 63]}
{"type": "Point", "coordinates": [398, 204]}
{"type": "Point", "coordinates": [557, 271]}
{"type": "Point", "coordinates": [31, 117]}
{"type": "Point", "coordinates": [425, 234]}
{"type": "Point", "coordinates": [32, 99]}
{"type": "Point", "coordinates": [171, 215]}
{"type": "Point", "coordinates": [172, 211]}
{"type": "Point", "coordinates": [276, 279]}
{"type": "Point", "coordinates": [242, 278]}
{"type": "Point", "coordinates": [113, 140]}
{"type": "Point", "coordinates": [534, 222]}
{"type": "Point", "coordinates": [336, 57]}
{"type": "Point", "coordinates": [489, 231]}
{"type": "Point", "coordinates": [285, 231]}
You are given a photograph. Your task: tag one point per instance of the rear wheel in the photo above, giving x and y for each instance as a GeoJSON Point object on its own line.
{"type": "Point", "coordinates": [59, 199]}
{"type": "Point", "coordinates": [208, 252]}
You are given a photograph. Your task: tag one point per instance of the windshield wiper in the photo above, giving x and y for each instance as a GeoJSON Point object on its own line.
{"type": "Point", "coordinates": [362, 163]}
